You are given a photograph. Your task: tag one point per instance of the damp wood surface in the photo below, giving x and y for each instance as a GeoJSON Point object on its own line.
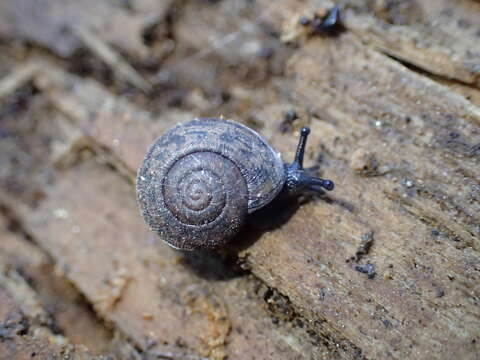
{"type": "Point", "coordinates": [387, 266]}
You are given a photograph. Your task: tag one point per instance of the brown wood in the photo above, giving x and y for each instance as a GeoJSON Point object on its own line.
{"type": "Point", "coordinates": [24, 331]}
{"type": "Point", "coordinates": [385, 267]}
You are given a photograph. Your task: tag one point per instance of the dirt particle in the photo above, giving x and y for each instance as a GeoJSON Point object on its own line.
{"type": "Point", "coordinates": [408, 183]}
{"type": "Point", "coordinates": [365, 245]}
{"type": "Point", "coordinates": [368, 269]}
{"type": "Point", "coordinates": [148, 316]}
{"type": "Point", "coordinates": [288, 118]}
{"type": "Point", "coordinates": [323, 22]}
{"type": "Point", "coordinates": [440, 292]}
{"type": "Point", "coordinates": [387, 323]}
{"type": "Point", "coordinates": [364, 162]}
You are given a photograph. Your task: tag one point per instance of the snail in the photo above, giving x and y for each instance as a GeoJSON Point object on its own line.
{"type": "Point", "coordinates": [200, 180]}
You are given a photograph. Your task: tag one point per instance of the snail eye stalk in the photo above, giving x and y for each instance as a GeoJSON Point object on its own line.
{"type": "Point", "coordinates": [302, 142]}
{"type": "Point", "coordinates": [297, 178]}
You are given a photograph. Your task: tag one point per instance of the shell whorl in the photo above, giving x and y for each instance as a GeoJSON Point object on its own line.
{"type": "Point", "coordinates": [200, 179]}
{"type": "Point", "coordinates": [198, 188]}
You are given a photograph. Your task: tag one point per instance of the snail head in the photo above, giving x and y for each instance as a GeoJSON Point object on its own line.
{"type": "Point", "coordinates": [297, 178]}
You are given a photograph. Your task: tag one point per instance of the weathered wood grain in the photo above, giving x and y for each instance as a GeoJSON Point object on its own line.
{"type": "Point", "coordinates": [425, 208]}
{"type": "Point", "coordinates": [421, 190]}
{"type": "Point", "coordinates": [412, 278]}
{"type": "Point", "coordinates": [23, 334]}
{"type": "Point", "coordinates": [59, 306]}
{"type": "Point", "coordinates": [438, 36]}
{"type": "Point", "coordinates": [178, 307]}
{"type": "Point", "coordinates": [145, 288]}
{"type": "Point", "coordinates": [401, 142]}
{"type": "Point", "coordinates": [51, 23]}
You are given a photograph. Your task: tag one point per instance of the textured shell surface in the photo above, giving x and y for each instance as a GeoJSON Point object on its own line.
{"type": "Point", "coordinates": [240, 170]}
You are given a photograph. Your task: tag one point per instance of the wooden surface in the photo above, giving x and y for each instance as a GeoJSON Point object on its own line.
{"type": "Point", "coordinates": [385, 267]}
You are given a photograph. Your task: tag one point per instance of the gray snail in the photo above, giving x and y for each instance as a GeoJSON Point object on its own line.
{"type": "Point", "coordinates": [200, 180]}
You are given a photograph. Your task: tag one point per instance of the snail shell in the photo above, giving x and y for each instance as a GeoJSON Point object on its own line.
{"type": "Point", "coordinates": [200, 179]}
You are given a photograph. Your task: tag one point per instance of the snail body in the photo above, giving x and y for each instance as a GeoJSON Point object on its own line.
{"type": "Point", "coordinates": [200, 180]}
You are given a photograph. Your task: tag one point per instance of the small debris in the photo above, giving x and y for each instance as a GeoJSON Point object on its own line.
{"type": "Point", "coordinates": [328, 24]}
{"type": "Point", "coordinates": [388, 274]}
{"type": "Point", "coordinates": [410, 189]}
{"type": "Point", "coordinates": [440, 292]}
{"type": "Point", "coordinates": [364, 162]}
{"type": "Point", "coordinates": [324, 23]}
{"type": "Point", "coordinates": [435, 232]}
{"type": "Point", "coordinates": [60, 214]}
{"type": "Point", "coordinates": [288, 118]}
{"type": "Point", "coordinates": [387, 323]}
{"type": "Point", "coordinates": [408, 183]}
{"type": "Point", "coordinates": [117, 285]}
{"type": "Point", "coordinates": [211, 312]}
{"type": "Point", "coordinates": [368, 269]}
{"type": "Point", "coordinates": [147, 316]}
{"type": "Point", "coordinates": [365, 245]}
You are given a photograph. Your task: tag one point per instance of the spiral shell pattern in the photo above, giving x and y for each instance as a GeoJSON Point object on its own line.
{"type": "Point", "coordinates": [198, 187]}
{"type": "Point", "coordinates": [200, 179]}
